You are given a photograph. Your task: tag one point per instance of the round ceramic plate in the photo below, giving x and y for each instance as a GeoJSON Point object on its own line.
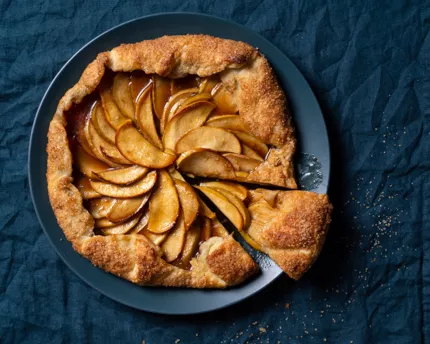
{"type": "Point", "coordinates": [313, 158]}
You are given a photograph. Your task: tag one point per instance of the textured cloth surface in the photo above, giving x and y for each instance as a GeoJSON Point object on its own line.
{"type": "Point", "coordinates": [367, 62]}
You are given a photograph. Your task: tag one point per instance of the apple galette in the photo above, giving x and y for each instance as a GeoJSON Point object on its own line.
{"type": "Point", "coordinates": [155, 137]}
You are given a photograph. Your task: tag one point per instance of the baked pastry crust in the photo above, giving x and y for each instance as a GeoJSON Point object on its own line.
{"type": "Point", "coordinates": [291, 226]}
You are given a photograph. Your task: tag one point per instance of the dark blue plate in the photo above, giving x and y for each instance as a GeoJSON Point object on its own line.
{"type": "Point", "coordinates": [311, 131]}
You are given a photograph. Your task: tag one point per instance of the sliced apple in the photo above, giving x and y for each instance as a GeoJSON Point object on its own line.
{"type": "Point", "coordinates": [174, 104]}
{"type": "Point", "coordinates": [188, 200]}
{"type": "Point", "coordinates": [113, 114]}
{"type": "Point", "coordinates": [138, 83]}
{"type": "Point", "coordinates": [199, 97]}
{"type": "Point", "coordinates": [142, 224]}
{"type": "Point", "coordinates": [111, 152]}
{"type": "Point", "coordinates": [224, 99]}
{"type": "Point", "coordinates": [190, 117]}
{"type": "Point", "coordinates": [215, 139]}
{"type": "Point", "coordinates": [103, 222]}
{"type": "Point", "coordinates": [87, 163]}
{"type": "Point", "coordinates": [238, 204]}
{"type": "Point", "coordinates": [126, 208]}
{"type": "Point", "coordinates": [192, 239]}
{"type": "Point", "coordinates": [76, 125]}
{"type": "Point", "coordinates": [122, 175]}
{"type": "Point", "coordinates": [84, 187]}
{"type": "Point", "coordinates": [241, 176]}
{"type": "Point", "coordinates": [114, 156]}
{"type": "Point", "coordinates": [242, 162]}
{"type": "Point", "coordinates": [169, 151]}
{"type": "Point", "coordinates": [204, 210]}
{"type": "Point", "coordinates": [99, 207]}
{"type": "Point", "coordinates": [174, 173]}
{"type": "Point", "coordinates": [160, 94]}
{"type": "Point", "coordinates": [104, 150]}
{"type": "Point", "coordinates": [250, 152]}
{"type": "Point", "coordinates": [163, 205]}
{"type": "Point", "coordinates": [84, 144]}
{"type": "Point", "coordinates": [229, 122]}
{"type": "Point", "coordinates": [95, 146]}
{"type": "Point", "coordinates": [122, 95]}
{"type": "Point", "coordinates": [251, 242]}
{"type": "Point", "coordinates": [207, 84]}
{"type": "Point", "coordinates": [206, 230]}
{"type": "Point", "coordinates": [262, 210]}
{"type": "Point", "coordinates": [184, 103]}
{"type": "Point", "coordinates": [139, 150]}
{"type": "Point", "coordinates": [218, 229]}
{"type": "Point", "coordinates": [224, 205]}
{"type": "Point", "coordinates": [172, 246]}
{"type": "Point", "coordinates": [125, 191]}
{"type": "Point", "coordinates": [252, 142]}
{"type": "Point", "coordinates": [101, 124]}
{"type": "Point", "coordinates": [270, 196]}
{"type": "Point", "coordinates": [145, 118]}
{"type": "Point", "coordinates": [157, 239]}
{"type": "Point", "coordinates": [261, 214]}
{"type": "Point", "coordinates": [205, 163]}
{"type": "Point", "coordinates": [178, 85]}
{"type": "Point", "coordinates": [236, 189]}
{"type": "Point", "coordinates": [122, 228]}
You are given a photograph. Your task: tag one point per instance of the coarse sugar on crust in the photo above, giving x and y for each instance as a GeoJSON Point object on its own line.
{"type": "Point", "coordinates": [291, 226]}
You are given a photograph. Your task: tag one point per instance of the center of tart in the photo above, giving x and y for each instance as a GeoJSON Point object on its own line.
{"type": "Point", "coordinates": [132, 139]}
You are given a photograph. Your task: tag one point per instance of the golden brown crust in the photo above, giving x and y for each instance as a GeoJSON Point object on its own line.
{"type": "Point", "coordinates": [263, 106]}
{"type": "Point", "coordinates": [66, 201]}
{"type": "Point", "coordinates": [178, 56]}
{"type": "Point", "coordinates": [294, 229]}
{"type": "Point", "coordinates": [230, 264]}
{"type": "Point", "coordinates": [293, 262]}
{"type": "Point", "coordinates": [136, 259]}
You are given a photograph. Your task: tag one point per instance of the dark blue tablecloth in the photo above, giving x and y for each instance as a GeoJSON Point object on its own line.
{"type": "Point", "coordinates": [367, 62]}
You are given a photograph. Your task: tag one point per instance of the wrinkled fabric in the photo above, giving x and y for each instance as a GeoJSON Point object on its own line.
{"type": "Point", "coordinates": [368, 64]}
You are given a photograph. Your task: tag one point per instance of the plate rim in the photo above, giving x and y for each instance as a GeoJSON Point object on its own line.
{"type": "Point", "coordinates": [31, 158]}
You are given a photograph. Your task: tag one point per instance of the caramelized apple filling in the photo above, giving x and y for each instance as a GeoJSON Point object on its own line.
{"type": "Point", "coordinates": [132, 139]}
